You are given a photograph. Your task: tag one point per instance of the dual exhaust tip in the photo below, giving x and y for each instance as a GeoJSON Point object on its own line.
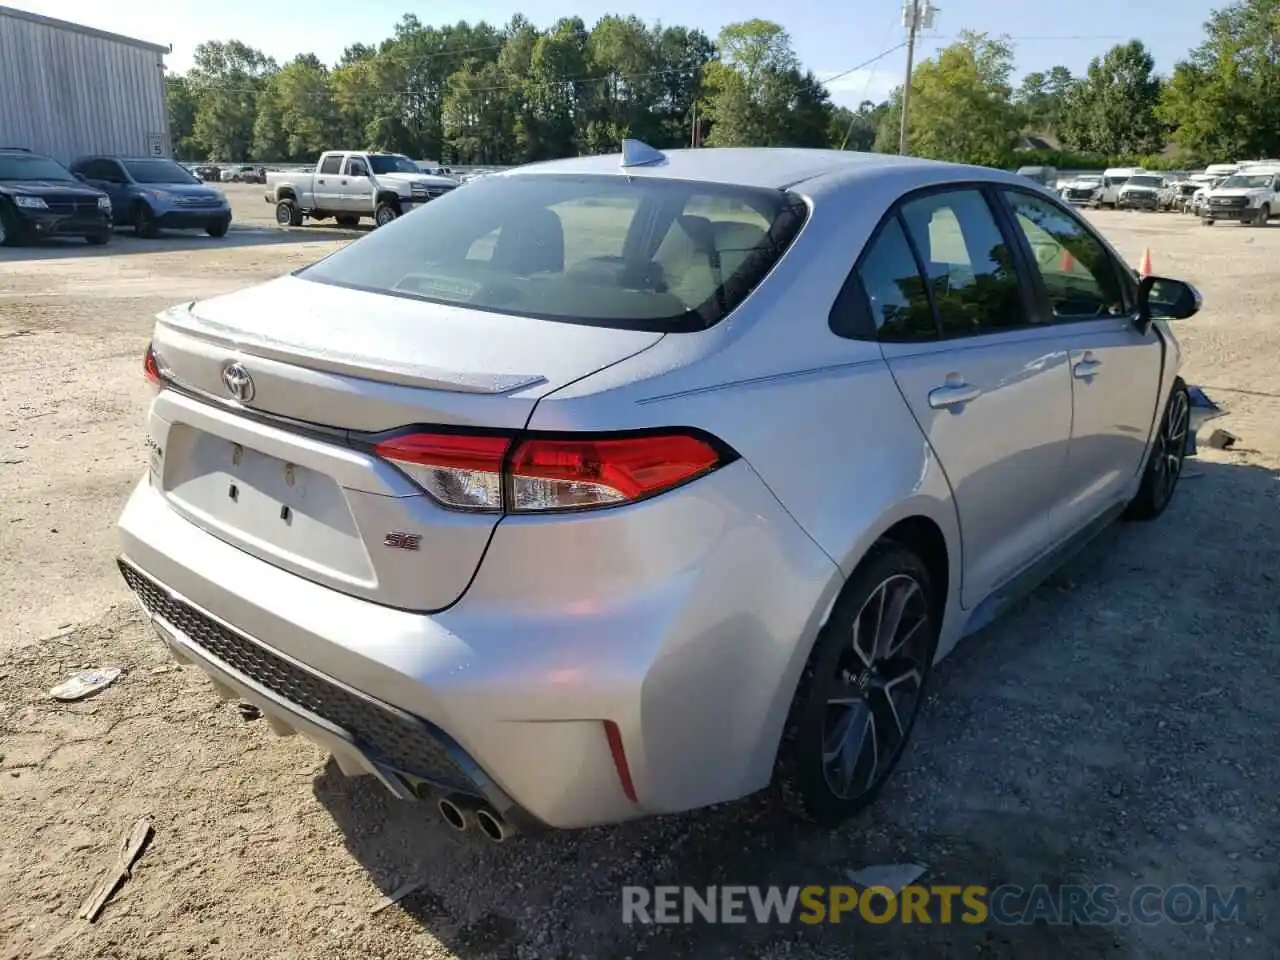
{"type": "Point", "coordinates": [463, 812]}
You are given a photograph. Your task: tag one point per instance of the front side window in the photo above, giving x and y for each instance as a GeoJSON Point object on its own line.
{"type": "Point", "coordinates": [1080, 277]}
{"type": "Point", "coordinates": [967, 261]}
{"type": "Point", "coordinates": [643, 254]}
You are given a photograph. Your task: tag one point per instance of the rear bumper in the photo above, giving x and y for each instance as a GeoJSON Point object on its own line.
{"type": "Point", "coordinates": [692, 651]}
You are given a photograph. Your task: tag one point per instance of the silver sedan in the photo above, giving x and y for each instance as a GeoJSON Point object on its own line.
{"type": "Point", "coordinates": [616, 486]}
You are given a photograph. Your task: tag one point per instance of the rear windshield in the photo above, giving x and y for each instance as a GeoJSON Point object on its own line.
{"type": "Point", "coordinates": [644, 254]}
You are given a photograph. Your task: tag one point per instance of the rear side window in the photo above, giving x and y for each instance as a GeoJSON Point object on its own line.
{"type": "Point", "coordinates": [331, 164]}
{"type": "Point", "coordinates": [894, 288]}
{"type": "Point", "coordinates": [644, 253]}
{"type": "Point", "coordinates": [968, 263]}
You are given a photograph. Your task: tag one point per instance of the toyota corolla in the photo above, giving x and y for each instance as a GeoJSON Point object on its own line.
{"type": "Point", "coordinates": [616, 486]}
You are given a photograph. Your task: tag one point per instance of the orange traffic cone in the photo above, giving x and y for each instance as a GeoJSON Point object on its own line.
{"type": "Point", "coordinates": [1066, 263]}
{"type": "Point", "coordinates": [1144, 265]}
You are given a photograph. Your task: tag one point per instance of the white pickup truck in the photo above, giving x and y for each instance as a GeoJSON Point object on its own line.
{"type": "Point", "coordinates": [1251, 196]}
{"type": "Point", "coordinates": [350, 184]}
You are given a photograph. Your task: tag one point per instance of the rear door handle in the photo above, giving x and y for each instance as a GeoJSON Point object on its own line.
{"type": "Point", "coordinates": [1087, 367]}
{"type": "Point", "coordinates": [952, 394]}
{"type": "Point", "coordinates": [320, 182]}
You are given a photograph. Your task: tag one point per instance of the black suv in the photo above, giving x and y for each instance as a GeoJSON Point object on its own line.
{"type": "Point", "coordinates": [40, 198]}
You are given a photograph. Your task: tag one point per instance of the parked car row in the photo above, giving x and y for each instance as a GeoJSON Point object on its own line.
{"type": "Point", "coordinates": [1247, 192]}
{"type": "Point", "coordinates": [210, 173]}
{"type": "Point", "coordinates": [40, 198]}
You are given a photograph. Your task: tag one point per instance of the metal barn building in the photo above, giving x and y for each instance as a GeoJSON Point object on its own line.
{"type": "Point", "coordinates": [68, 90]}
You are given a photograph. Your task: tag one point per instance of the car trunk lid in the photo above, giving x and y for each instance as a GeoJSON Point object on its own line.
{"type": "Point", "coordinates": [285, 470]}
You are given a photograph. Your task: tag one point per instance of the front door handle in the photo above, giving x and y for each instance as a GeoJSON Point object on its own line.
{"type": "Point", "coordinates": [952, 394]}
{"type": "Point", "coordinates": [1087, 367]}
{"type": "Point", "coordinates": [344, 183]}
{"type": "Point", "coordinates": [321, 182]}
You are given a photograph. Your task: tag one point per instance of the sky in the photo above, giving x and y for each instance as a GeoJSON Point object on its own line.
{"type": "Point", "coordinates": [828, 38]}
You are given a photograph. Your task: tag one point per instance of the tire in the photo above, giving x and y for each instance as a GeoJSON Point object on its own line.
{"type": "Point", "coordinates": [288, 214]}
{"type": "Point", "coordinates": [10, 235]}
{"type": "Point", "coordinates": [384, 213]}
{"type": "Point", "coordinates": [218, 229]}
{"type": "Point", "coordinates": [98, 239]}
{"type": "Point", "coordinates": [348, 221]}
{"type": "Point", "coordinates": [1168, 453]}
{"type": "Point", "coordinates": [144, 224]}
{"type": "Point", "coordinates": [1263, 216]}
{"type": "Point", "coordinates": [837, 669]}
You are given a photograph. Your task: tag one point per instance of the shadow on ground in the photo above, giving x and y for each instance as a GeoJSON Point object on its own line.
{"type": "Point", "coordinates": [123, 242]}
{"type": "Point", "coordinates": [1118, 728]}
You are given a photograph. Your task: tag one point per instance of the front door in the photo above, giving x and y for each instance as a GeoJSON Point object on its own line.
{"type": "Point", "coordinates": [1115, 368]}
{"type": "Point", "coordinates": [990, 389]}
{"type": "Point", "coordinates": [355, 188]}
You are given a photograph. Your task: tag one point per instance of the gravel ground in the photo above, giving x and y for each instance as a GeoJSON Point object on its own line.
{"type": "Point", "coordinates": [1121, 727]}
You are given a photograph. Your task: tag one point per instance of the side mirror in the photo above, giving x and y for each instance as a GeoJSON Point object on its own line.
{"type": "Point", "coordinates": [79, 176]}
{"type": "Point", "coordinates": [1160, 298]}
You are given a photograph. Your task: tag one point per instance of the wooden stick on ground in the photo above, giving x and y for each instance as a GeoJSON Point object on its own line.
{"type": "Point", "coordinates": [131, 847]}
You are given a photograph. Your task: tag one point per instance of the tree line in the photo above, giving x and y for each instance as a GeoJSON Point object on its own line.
{"type": "Point", "coordinates": [485, 95]}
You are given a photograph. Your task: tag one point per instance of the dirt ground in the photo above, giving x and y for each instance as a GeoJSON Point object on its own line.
{"type": "Point", "coordinates": [1120, 727]}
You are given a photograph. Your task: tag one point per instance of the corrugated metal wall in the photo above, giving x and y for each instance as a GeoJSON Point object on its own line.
{"type": "Point", "coordinates": [67, 93]}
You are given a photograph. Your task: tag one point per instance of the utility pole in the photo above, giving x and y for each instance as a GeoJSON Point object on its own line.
{"type": "Point", "coordinates": [915, 14]}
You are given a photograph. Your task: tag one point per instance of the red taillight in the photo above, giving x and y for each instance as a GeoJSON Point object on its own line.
{"type": "Point", "coordinates": [479, 472]}
{"type": "Point", "coordinates": [151, 368]}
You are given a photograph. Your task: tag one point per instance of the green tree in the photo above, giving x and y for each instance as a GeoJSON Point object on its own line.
{"type": "Point", "coordinates": [961, 105]}
{"type": "Point", "coordinates": [181, 105]}
{"type": "Point", "coordinates": [856, 129]}
{"type": "Point", "coordinates": [297, 113]}
{"type": "Point", "coordinates": [1223, 101]}
{"type": "Point", "coordinates": [756, 94]}
{"type": "Point", "coordinates": [1112, 110]}
{"type": "Point", "coordinates": [226, 80]}
{"type": "Point", "coordinates": [1041, 98]}
{"type": "Point", "coordinates": [556, 86]}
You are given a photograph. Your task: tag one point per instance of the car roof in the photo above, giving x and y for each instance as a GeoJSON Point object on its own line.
{"type": "Point", "coordinates": [767, 167]}
{"type": "Point", "coordinates": [113, 156]}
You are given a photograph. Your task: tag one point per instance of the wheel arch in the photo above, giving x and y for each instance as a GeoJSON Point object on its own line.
{"type": "Point", "coordinates": [930, 529]}
{"type": "Point", "coordinates": [387, 196]}
{"type": "Point", "coordinates": [286, 193]}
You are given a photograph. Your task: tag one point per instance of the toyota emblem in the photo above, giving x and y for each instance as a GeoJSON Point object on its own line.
{"type": "Point", "coordinates": [238, 382]}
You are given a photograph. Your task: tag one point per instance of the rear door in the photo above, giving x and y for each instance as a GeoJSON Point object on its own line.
{"type": "Point", "coordinates": [989, 387]}
{"type": "Point", "coordinates": [1115, 368]}
{"type": "Point", "coordinates": [108, 176]}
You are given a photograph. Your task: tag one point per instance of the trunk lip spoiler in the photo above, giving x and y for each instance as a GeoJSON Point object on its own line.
{"type": "Point", "coordinates": [183, 320]}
